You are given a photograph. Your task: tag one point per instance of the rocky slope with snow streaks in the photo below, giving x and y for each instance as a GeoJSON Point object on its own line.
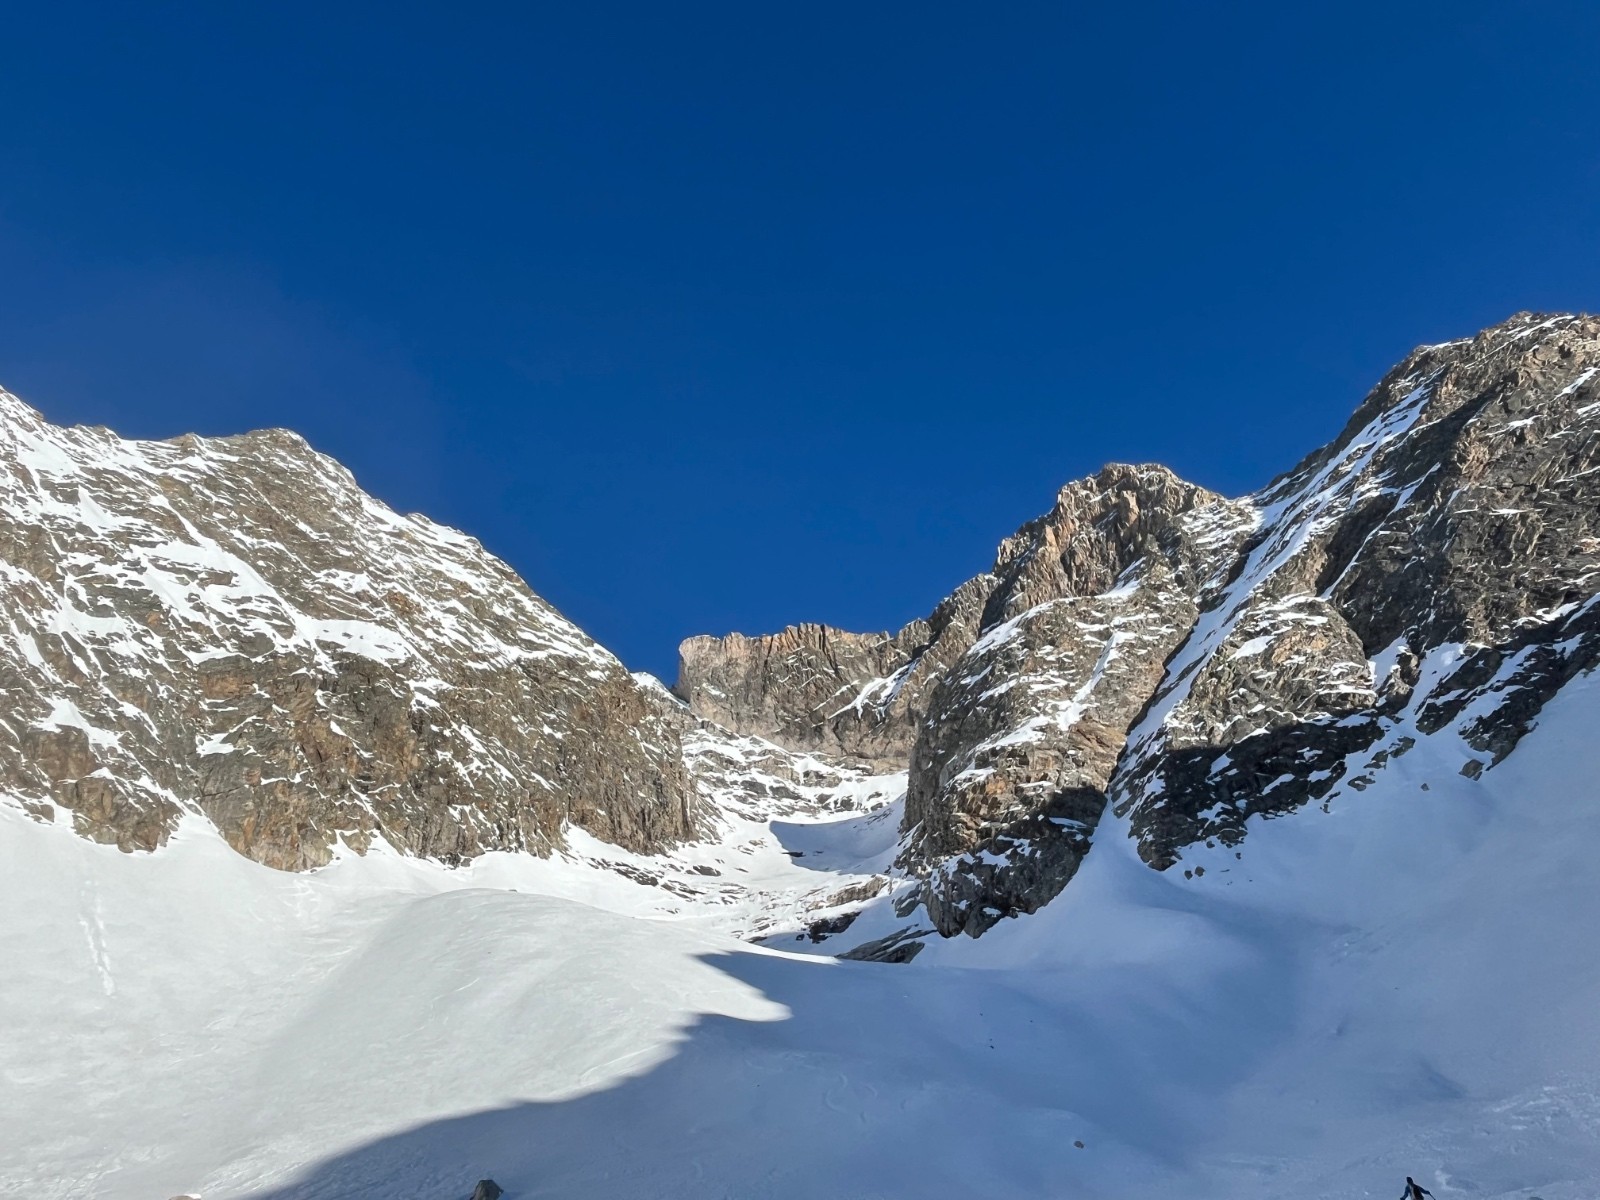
{"type": "Point", "coordinates": [232, 627]}
{"type": "Point", "coordinates": [1196, 662]}
{"type": "Point", "coordinates": [1439, 558]}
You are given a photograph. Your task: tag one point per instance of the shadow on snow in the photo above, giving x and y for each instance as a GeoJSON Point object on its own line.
{"type": "Point", "coordinates": [883, 1081]}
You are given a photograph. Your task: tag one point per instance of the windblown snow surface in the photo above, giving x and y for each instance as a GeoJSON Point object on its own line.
{"type": "Point", "coordinates": [1406, 984]}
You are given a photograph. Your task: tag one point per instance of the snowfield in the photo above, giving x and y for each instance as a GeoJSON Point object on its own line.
{"type": "Point", "coordinates": [1406, 984]}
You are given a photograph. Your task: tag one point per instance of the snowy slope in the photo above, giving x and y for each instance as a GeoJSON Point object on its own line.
{"type": "Point", "coordinates": [1403, 985]}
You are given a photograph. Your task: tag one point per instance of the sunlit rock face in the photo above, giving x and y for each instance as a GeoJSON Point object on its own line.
{"type": "Point", "coordinates": [1188, 661]}
{"type": "Point", "coordinates": [858, 697]}
{"type": "Point", "coordinates": [1435, 565]}
{"type": "Point", "coordinates": [232, 627]}
{"type": "Point", "coordinates": [1010, 769]}
{"type": "Point", "coordinates": [1011, 703]}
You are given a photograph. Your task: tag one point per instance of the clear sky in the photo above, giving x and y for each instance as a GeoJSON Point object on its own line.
{"type": "Point", "coordinates": [713, 317]}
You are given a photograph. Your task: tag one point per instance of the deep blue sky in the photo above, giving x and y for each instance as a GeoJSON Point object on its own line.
{"type": "Point", "coordinates": [714, 317]}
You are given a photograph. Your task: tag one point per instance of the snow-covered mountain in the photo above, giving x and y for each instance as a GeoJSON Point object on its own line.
{"type": "Point", "coordinates": [334, 862]}
{"type": "Point", "coordinates": [1191, 662]}
{"type": "Point", "coordinates": [232, 627]}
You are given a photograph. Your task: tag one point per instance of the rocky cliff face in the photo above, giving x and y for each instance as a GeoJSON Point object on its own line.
{"type": "Point", "coordinates": [811, 688]}
{"type": "Point", "coordinates": [1011, 764]}
{"type": "Point", "coordinates": [1011, 702]}
{"type": "Point", "coordinates": [232, 627]}
{"type": "Point", "coordinates": [1195, 661]}
{"type": "Point", "coordinates": [1435, 565]}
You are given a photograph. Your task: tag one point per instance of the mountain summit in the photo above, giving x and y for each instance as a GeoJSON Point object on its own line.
{"type": "Point", "coordinates": [231, 627]}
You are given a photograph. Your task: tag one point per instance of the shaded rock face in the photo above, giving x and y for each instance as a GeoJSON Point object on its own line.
{"type": "Point", "coordinates": [1199, 661]}
{"type": "Point", "coordinates": [232, 627]}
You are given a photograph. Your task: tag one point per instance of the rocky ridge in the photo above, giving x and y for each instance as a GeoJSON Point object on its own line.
{"type": "Point", "coordinates": [1010, 769]}
{"type": "Point", "coordinates": [858, 698]}
{"type": "Point", "coordinates": [1188, 662]}
{"type": "Point", "coordinates": [1436, 565]}
{"type": "Point", "coordinates": [230, 628]}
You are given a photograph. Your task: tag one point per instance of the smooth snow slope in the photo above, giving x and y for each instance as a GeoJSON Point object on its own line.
{"type": "Point", "coordinates": [1407, 984]}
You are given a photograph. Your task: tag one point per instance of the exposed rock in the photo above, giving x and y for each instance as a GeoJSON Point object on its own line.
{"type": "Point", "coordinates": [1203, 661]}
{"type": "Point", "coordinates": [232, 627]}
{"type": "Point", "coordinates": [852, 696]}
{"type": "Point", "coordinates": [900, 947]}
{"type": "Point", "coordinates": [751, 776]}
{"type": "Point", "coordinates": [858, 892]}
{"type": "Point", "coordinates": [1453, 523]}
{"type": "Point", "coordinates": [823, 928]}
{"type": "Point", "coordinates": [487, 1189]}
{"type": "Point", "coordinates": [1012, 699]}
{"type": "Point", "coordinates": [1011, 763]}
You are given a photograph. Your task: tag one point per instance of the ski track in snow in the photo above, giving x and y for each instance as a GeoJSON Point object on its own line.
{"type": "Point", "coordinates": [1403, 985]}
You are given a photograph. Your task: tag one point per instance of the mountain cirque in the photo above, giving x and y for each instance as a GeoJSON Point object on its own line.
{"type": "Point", "coordinates": [1187, 661]}
{"type": "Point", "coordinates": [230, 627]}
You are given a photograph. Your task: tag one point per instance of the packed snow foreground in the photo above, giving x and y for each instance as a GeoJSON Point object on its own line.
{"type": "Point", "coordinates": [1200, 847]}
{"type": "Point", "coordinates": [1405, 985]}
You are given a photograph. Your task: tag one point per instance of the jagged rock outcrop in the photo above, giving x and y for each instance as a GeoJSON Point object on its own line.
{"type": "Point", "coordinates": [1009, 773]}
{"type": "Point", "coordinates": [1438, 562]}
{"type": "Point", "coordinates": [1010, 703]}
{"type": "Point", "coordinates": [853, 696]}
{"type": "Point", "coordinates": [1201, 661]}
{"type": "Point", "coordinates": [232, 627]}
